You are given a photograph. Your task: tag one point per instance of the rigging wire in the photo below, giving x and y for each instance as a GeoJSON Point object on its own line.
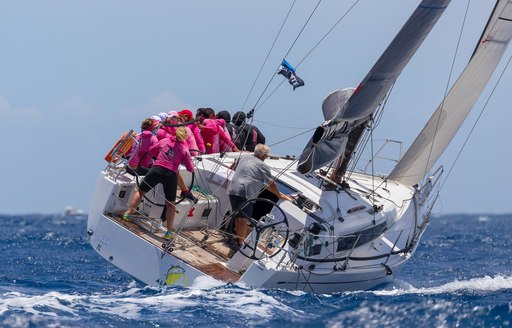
{"type": "Point", "coordinates": [303, 28]}
{"type": "Point", "coordinates": [476, 122]}
{"type": "Point", "coordinates": [312, 49]}
{"type": "Point", "coordinates": [268, 54]}
{"type": "Point", "coordinates": [273, 75]}
{"type": "Point", "coordinates": [366, 138]}
{"type": "Point", "coordinates": [284, 126]}
{"type": "Point", "coordinates": [328, 32]}
{"type": "Point", "coordinates": [271, 94]}
{"type": "Point", "coordinates": [256, 106]}
{"type": "Point", "coordinates": [251, 117]}
{"type": "Point", "coordinates": [447, 88]}
{"type": "Point", "coordinates": [289, 50]}
{"type": "Point", "coordinates": [373, 166]}
{"type": "Point", "coordinates": [292, 137]}
{"type": "Point", "coordinates": [259, 73]}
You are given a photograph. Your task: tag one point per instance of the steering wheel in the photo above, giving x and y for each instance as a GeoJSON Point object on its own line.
{"type": "Point", "coordinates": [264, 229]}
{"type": "Point", "coordinates": [184, 195]}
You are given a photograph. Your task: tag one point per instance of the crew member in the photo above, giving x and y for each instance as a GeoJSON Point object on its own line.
{"type": "Point", "coordinates": [247, 135]}
{"type": "Point", "coordinates": [171, 153]}
{"type": "Point", "coordinates": [251, 176]}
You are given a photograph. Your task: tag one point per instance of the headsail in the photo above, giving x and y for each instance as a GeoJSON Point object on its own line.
{"type": "Point", "coordinates": [331, 139]}
{"type": "Point", "coordinates": [449, 116]}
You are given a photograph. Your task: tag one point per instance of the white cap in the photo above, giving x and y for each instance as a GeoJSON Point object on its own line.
{"type": "Point", "coordinates": [172, 113]}
{"type": "Point", "coordinates": [162, 116]}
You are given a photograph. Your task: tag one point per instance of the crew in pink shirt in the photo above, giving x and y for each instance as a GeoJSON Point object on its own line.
{"type": "Point", "coordinates": [170, 154]}
{"type": "Point", "coordinates": [140, 161]}
{"type": "Point", "coordinates": [187, 116]}
{"type": "Point", "coordinates": [212, 132]}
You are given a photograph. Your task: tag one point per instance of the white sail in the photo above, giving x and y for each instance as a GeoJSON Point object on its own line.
{"type": "Point", "coordinates": [451, 113]}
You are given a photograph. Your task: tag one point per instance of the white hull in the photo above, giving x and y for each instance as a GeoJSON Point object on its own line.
{"type": "Point", "coordinates": [317, 264]}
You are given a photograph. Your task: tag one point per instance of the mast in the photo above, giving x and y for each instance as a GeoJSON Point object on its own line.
{"type": "Point", "coordinates": [330, 140]}
{"type": "Point", "coordinates": [453, 110]}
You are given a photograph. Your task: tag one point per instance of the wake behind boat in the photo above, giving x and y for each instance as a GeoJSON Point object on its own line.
{"type": "Point", "coordinates": [343, 230]}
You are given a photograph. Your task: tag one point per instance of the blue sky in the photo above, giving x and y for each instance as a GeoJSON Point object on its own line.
{"type": "Point", "coordinates": [74, 75]}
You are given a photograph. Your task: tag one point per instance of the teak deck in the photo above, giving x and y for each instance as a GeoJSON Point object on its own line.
{"type": "Point", "coordinates": [203, 249]}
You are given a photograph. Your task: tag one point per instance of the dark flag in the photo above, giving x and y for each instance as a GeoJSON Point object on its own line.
{"type": "Point", "coordinates": [289, 72]}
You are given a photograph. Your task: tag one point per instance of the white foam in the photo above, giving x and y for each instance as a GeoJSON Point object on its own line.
{"type": "Point", "coordinates": [28, 303]}
{"type": "Point", "coordinates": [253, 302]}
{"type": "Point", "coordinates": [206, 282]}
{"type": "Point", "coordinates": [131, 303]}
{"type": "Point", "coordinates": [127, 304]}
{"type": "Point", "coordinates": [475, 285]}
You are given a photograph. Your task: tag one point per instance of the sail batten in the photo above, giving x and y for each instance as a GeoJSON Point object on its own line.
{"type": "Point", "coordinates": [449, 116]}
{"type": "Point", "coordinates": [372, 90]}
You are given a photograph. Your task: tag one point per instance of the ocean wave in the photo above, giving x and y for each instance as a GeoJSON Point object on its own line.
{"type": "Point", "coordinates": [475, 285]}
{"type": "Point", "coordinates": [52, 278]}
{"type": "Point", "coordinates": [145, 303]}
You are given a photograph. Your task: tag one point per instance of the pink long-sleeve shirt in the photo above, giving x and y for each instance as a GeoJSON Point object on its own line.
{"type": "Point", "coordinates": [171, 154]}
{"type": "Point", "coordinates": [198, 137]}
{"type": "Point", "coordinates": [170, 131]}
{"type": "Point", "coordinates": [212, 133]}
{"type": "Point", "coordinates": [146, 139]}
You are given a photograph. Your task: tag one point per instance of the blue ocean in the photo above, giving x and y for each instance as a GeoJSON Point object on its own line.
{"type": "Point", "coordinates": [460, 276]}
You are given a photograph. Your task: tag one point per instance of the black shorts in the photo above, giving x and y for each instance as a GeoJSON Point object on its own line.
{"type": "Point", "coordinates": [236, 202]}
{"type": "Point", "coordinates": [159, 174]}
{"type": "Point", "coordinates": [141, 170]}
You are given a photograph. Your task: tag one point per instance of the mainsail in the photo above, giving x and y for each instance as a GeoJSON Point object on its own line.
{"type": "Point", "coordinates": [449, 116]}
{"type": "Point", "coordinates": [331, 139]}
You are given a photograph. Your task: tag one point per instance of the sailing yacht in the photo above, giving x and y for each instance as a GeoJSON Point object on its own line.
{"type": "Point", "coordinates": [343, 230]}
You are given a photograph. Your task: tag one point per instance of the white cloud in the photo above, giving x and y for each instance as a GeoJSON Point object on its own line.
{"type": "Point", "coordinates": [74, 107]}
{"type": "Point", "coordinates": [9, 113]}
